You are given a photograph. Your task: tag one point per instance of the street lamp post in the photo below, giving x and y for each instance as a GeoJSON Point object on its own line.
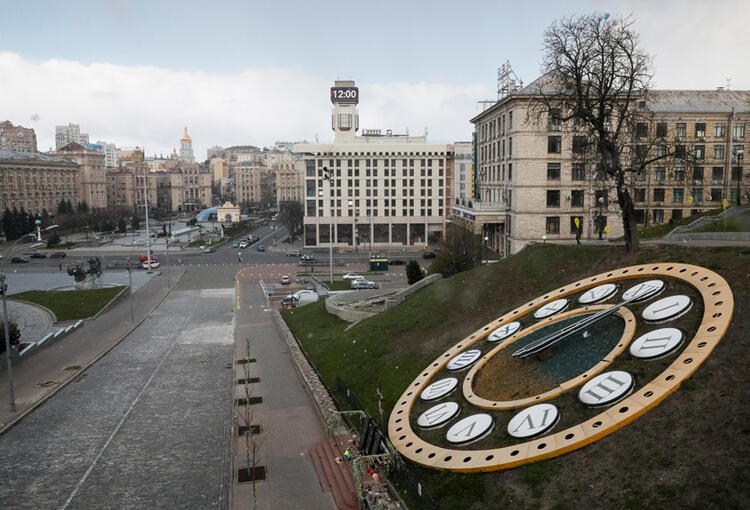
{"type": "Point", "coordinates": [6, 330]}
{"type": "Point", "coordinates": [329, 177]}
{"type": "Point", "coordinates": [739, 154]}
{"type": "Point", "coordinates": [148, 234]}
{"type": "Point", "coordinates": [6, 322]}
{"type": "Point", "coordinates": [600, 218]}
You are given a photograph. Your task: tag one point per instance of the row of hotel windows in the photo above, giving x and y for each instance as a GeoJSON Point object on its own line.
{"type": "Point", "coordinates": [385, 163]}
{"type": "Point", "coordinates": [642, 129]}
{"type": "Point", "coordinates": [660, 173]}
{"type": "Point", "coordinates": [495, 127]}
{"type": "Point", "coordinates": [577, 197]}
{"type": "Point", "coordinates": [387, 172]}
{"type": "Point", "coordinates": [552, 223]}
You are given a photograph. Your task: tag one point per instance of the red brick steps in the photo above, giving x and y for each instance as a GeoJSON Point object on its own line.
{"type": "Point", "coordinates": [334, 477]}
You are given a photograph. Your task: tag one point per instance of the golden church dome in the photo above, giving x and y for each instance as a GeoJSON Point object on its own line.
{"type": "Point", "coordinates": [185, 137]}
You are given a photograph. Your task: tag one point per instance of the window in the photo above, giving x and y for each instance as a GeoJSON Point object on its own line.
{"type": "Point", "coordinates": [579, 144]}
{"type": "Point", "coordinates": [641, 152]}
{"type": "Point", "coordinates": [700, 129]}
{"type": "Point", "coordinates": [658, 194]}
{"type": "Point", "coordinates": [719, 129]}
{"type": "Point", "coordinates": [554, 120]}
{"type": "Point", "coordinates": [554, 144]}
{"type": "Point", "coordinates": [698, 173]}
{"type": "Point", "coordinates": [553, 198]}
{"type": "Point", "coordinates": [640, 195]}
{"type": "Point", "coordinates": [679, 174]}
{"type": "Point", "coordinates": [661, 150]}
{"type": "Point", "coordinates": [715, 195]}
{"type": "Point", "coordinates": [678, 195]}
{"type": "Point", "coordinates": [553, 225]}
{"type": "Point", "coordinates": [660, 174]}
{"type": "Point", "coordinates": [577, 172]}
{"type": "Point", "coordinates": [641, 130]}
{"type": "Point", "coordinates": [717, 175]}
{"type": "Point", "coordinates": [553, 171]}
{"type": "Point", "coordinates": [576, 198]}
{"type": "Point", "coordinates": [681, 130]}
{"type": "Point", "coordinates": [600, 196]}
{"type": "Point", "coordinates": [658, 216]}
{"type": "Point", "coordinates": [679, 151]}
{"type": "Point", "coordinates": [697, 195]}
{"type": "Point", "coordinates": [718, 152]}
{"type": "Point", "coordinates": [738, 131]}
{"type": "Point", "coordinates": [661, 129]}
{"type": "Point", "coordinates": [676, 214]}
{"type": "Point", "coordinates": [700, 151]}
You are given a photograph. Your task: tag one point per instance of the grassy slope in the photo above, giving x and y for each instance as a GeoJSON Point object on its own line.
{"type": "Point", "coordinates": [690, 452]}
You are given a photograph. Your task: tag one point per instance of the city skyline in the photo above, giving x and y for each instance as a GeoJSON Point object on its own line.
{"type": "Point", "coordinates": [136, 74]}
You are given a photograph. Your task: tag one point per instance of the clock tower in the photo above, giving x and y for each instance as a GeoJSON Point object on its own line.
{"type": "Point", "coordinates": [345, 117]}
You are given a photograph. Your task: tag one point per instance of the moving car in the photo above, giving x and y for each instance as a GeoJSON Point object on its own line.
{"type": "Point", "coordinates": [396, 262]}
{"type": "Point", "coordinates": [260, 247]}
{"type": "Point", "coordinates": [144, 258]}
{"type": "Point", "coordinates": [57, 255]}
{"type": "Point", "coordinates": [353, 276]}
{"type": "Point", "coordinates": [285, 280]}
{"type": "Point", "coordinates": [154, 264]}
{"type": "Point", "coordinates": [293, 253]}
{"type": "Point", "coordinates": [210, 249]}
{"type": "Point", "coordinates": [363, 284]}
{"type": "Point", "coordinates": [19, 260]}
{"type": "Point", "coordinates": [429, 255]}
{"type": "Point", "coordinates": [37, 255]}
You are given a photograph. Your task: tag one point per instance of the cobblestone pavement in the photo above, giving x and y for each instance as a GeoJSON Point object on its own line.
{"type": "Point", "coordinates": [147, 426]}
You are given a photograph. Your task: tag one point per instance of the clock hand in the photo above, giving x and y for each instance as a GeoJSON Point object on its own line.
{"type": "Point", "coordinates": [553, 338]}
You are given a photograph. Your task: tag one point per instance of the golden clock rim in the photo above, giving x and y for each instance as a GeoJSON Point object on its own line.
{"type": "Point", "coordinates": [718, 304]}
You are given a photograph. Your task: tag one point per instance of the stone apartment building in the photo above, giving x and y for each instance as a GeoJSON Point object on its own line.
{"type": "Point", "coordinates": [17, 138]}
{"type": "Point", "coordinates": [91, 179]}
{"type": "Point", "coordinates": [36, 182]}
{"type": "Point", "coordinates": [375, 190]}
{"type": "Point", "coordinates": [533, 183]}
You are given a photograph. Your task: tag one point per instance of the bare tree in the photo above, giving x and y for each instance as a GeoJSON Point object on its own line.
{"type": "Point", "coordinates": [252, 429]}
{"type": "Point", "coordinates": [597, 76]}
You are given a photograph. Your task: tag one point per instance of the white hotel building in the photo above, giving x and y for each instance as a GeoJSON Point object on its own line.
{"type": "Point", "coordinates": [375, 190]}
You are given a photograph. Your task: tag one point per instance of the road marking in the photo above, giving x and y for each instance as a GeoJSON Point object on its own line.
{"type": "Point", "coordinates": [120, 423]}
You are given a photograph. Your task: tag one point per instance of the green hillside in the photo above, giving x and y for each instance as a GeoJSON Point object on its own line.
{"type": "Point", "coordinates": [689, 452]}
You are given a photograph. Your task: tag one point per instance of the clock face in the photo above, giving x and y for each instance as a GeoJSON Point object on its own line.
{"type": "Point", "coordinates": [562, 370]}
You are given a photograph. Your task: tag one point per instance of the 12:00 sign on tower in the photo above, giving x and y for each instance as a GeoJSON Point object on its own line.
{"type": "Point", "coordinates": [345, 95]}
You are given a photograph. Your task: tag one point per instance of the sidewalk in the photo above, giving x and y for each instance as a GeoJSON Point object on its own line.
{"type": "Point", "coordinates": [54, 365]}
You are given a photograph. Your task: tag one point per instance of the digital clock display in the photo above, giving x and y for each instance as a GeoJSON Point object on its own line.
{"type": "Point", "coordinates": [347, 95]}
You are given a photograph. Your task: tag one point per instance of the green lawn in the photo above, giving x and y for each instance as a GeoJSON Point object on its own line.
{"type": "Point", "coordinates": [68, 305]}
{"type": "Point", "coordinates": [736, 223]}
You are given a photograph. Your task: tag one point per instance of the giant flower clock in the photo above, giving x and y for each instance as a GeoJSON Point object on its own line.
{"type": "Point", "coordinates": [564, 369]}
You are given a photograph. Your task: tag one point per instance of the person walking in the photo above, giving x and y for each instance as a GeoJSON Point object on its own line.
{"type": "Point", "coordinates": [239, 256]}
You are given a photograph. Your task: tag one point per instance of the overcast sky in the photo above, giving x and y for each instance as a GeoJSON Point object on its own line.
{"type": "Point", "coordinates": [255, 72]}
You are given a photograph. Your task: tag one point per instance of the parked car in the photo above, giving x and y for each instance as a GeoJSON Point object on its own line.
{"type": "Point", "coordinates": [260, 247]}
{"type": "Point", "coordinates": [429, 255]}
{"type": "Point", "coordinates": [288, 301]}
{"type": "Point", "coordinates": [154, 264]}
{"type": "Point", "coordinates": [37, 255]}
{"type": "Point", "coordinates": [363, 284]}
{"type": "Point", "coordinates": [57, 255]}
{"type": "Point", "coordinates": [144, 258]}
{"type": "Point", "coordinates": [243, 244]}
{"type": "Point", "coordinates": [19, 260]}
{"type": "Point", "coordinates": [353, 276]}
{"type": "Point", "coordinates": [396, 262]}
{"type": "Point", "coordinates": [236, 244]}
{"type": "Point", "coordinates": [293, 253]}
{"type": "Point", "coordinates": [285, 280]}
{"type": "Point", "coordinates": [308, 259]}
{"type": "Point", "coordinates": [210, 249]}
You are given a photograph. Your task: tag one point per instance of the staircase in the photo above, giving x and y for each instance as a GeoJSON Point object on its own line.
{"type": "Point", "coordinates": [335, 477]}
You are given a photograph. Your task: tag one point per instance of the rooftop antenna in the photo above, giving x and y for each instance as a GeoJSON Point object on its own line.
{"type": "Point", "coordinates": [316, 137]}
{"type": "Point", "coordinates": [507, 80]}
{"type": "Point", "coordinates": [729, 83]}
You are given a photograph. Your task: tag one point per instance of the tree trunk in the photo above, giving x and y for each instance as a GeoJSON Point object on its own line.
{"type": "Point", "coordinates": [629, 224]}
